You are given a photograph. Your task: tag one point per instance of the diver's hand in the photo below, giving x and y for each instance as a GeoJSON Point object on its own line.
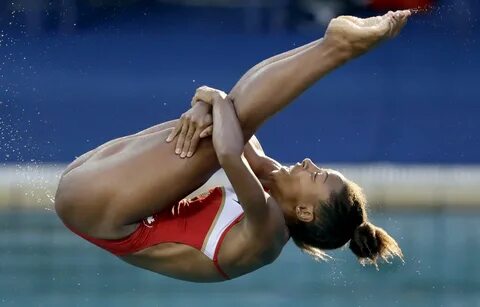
{"type": "Point", "coordinates": [193, 125]}
{"type": "Point", "coordinates": [359, 35]}
{"type": "Point", "coordinates": [208, 94]}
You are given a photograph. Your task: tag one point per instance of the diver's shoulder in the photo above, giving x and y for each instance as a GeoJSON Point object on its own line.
{"type": "Point", "coordinates": [276, 217]}
{"type": "Point", "coordinates": [276, 234]}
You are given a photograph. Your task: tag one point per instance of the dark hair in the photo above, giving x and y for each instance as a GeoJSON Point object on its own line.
{"type": "Point", "coordinates": [341, 219]}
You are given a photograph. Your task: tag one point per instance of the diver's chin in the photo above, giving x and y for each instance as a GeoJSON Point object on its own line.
{"type": "Point", "coordinates": [279, 174]}
{"type": "Point", "coordinates": [273, 174]}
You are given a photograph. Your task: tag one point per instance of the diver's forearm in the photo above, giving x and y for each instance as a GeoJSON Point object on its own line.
{"type": "Point", "coordinates": [273, 59]}
{"type": "Point", "coordinates": [274, 86]}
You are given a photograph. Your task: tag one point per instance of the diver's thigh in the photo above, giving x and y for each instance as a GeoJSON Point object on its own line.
{"type": "Point", "coordinates": [147, 177]}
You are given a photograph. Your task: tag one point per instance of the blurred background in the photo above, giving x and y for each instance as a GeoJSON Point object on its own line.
{"type": "Point", "coordinates": [403, 121]}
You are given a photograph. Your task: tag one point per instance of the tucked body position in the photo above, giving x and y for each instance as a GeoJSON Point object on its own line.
{"type": "Point", "coordinates": [128, 196]}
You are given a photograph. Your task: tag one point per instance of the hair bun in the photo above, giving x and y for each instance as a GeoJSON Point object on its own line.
{"type": "Point", "coordinates": [369, 243]}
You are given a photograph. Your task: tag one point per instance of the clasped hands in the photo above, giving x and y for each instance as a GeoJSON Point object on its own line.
{"type": "Point", "coordinates": [197, 122]}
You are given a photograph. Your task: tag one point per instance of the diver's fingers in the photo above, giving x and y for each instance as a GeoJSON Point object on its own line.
{"type": "Point", "coordinates": [194, 143]}
{"type": "Point", "coordinates": [188, 139]}
{"type": "Point", "coordinates": [175, 131]}
{"type": "Point", "coordinates": [181, 137]}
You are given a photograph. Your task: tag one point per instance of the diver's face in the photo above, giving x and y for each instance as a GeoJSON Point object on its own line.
{"type": "Point", "coordinates": [306, 183]}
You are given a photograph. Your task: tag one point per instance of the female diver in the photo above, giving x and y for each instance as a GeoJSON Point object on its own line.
{"type": "Point", "coordinates": [128, 195]}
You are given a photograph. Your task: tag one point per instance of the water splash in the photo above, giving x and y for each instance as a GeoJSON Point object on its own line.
{"type": "Point", "coordinates": [30, 180]}
{"type": "Point", "coordinates": [50, 197]}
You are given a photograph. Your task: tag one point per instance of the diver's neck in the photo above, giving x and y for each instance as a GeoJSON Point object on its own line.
{"type": "Point", "coordinates": [268, 168]}
{"type": "Point", "coordinates": [266, 183]}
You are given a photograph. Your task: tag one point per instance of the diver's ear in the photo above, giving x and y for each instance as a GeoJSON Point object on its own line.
{"type": "Point", "coordinates": [304, 212]}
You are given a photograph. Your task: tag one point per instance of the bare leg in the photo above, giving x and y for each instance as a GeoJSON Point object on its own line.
{"type": "Point", "coordinates": [272, 60]}
{"type": "Point", "coordinates": [274, 86]}
{"type": "Point", "coordinates": [264, 91]}
{"type": "Point", "coordinates": [80, 160]}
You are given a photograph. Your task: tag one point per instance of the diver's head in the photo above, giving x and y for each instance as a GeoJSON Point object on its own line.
{"type": "Point", "coordinates": [324, 210]}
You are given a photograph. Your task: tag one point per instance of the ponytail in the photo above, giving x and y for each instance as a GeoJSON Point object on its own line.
{"type": "Point", "coordinates": [369, 243]}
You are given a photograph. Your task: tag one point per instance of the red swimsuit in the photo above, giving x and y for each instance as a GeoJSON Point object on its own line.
{"type": "Point", "coordinates": [201, 222]}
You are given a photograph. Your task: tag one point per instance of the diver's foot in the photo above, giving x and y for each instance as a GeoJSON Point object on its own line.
{"type": "Point", "coordinates": [359, 35]}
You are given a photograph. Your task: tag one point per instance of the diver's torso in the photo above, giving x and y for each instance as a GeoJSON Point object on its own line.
{"type": "Point", "coordinates": [238, 255]}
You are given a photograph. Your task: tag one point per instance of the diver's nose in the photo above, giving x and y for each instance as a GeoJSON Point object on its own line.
{"type": "Point", "coordinates": [306, 162]}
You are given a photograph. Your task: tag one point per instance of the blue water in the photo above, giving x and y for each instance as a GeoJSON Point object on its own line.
{"type": "Point", "coordinates": [42, 264]}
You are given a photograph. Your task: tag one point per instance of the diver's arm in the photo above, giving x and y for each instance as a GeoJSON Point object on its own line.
{"type": "Point", "coordinates": [229, 144]}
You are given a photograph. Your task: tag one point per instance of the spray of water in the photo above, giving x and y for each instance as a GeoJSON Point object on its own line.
{"type": "Point", "coordinates": [29, 182]}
